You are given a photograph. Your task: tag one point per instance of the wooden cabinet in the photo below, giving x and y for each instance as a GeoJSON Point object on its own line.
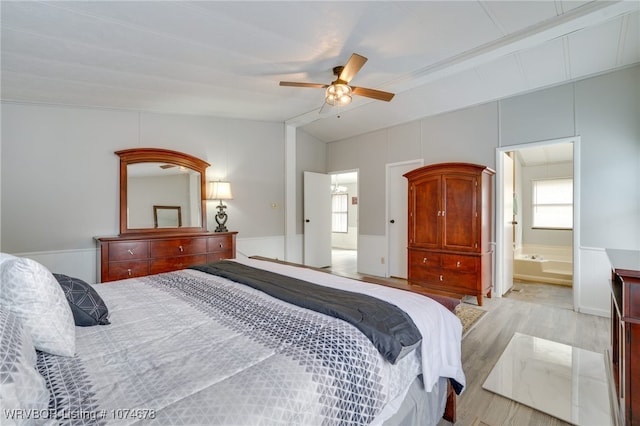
{"type": "Point", "coordinates": [623, 357]}
{"type": "Point", "coordinates": [450, 227]}
{"type": "Point", "coordinates": [135, 256]}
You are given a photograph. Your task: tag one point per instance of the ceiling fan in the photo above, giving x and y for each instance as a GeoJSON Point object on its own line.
{"type": "Point", "coordinates": [339, 92]}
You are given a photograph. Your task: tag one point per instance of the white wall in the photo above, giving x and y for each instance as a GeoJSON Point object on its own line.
{"type": "Point", "coordinates": [603, 110]}
{"type": "Point", "coordinates": [59, 186]}
{"type": "Point", "coordinates": [60, 177]}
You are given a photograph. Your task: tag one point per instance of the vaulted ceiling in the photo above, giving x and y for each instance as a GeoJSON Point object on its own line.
{"type": "Point", "coordinates": [226, 58]}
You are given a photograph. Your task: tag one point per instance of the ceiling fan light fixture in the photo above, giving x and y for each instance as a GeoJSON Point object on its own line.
{"type": "Point", "coordinates": [338, 94]}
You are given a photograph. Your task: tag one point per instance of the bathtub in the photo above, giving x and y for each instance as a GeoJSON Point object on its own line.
{"type": "Point", "coordinates": [546, 264]}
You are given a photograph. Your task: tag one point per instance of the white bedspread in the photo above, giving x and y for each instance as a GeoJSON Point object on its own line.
{"type": "Point", "coordinates": [191, 348]}
{"type": "Point", "coordinates": [441, 329]}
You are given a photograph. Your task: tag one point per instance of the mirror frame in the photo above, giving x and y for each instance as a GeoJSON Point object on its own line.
{"type": "Point", "coordinates": [166, 209]}
{"type": "Point", "coordinates": [157, 155]}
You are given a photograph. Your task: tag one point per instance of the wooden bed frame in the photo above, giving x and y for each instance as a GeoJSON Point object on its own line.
{"type": "Point", "coordinates": [448, 302]}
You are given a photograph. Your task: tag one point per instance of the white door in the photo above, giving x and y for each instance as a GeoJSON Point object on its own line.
{"type": "Point", "coordinates": [508, 223]}
{"type": "Point", "coordinates": [397, 228]}
{"type": "Point", "coordinates": [317, 219]}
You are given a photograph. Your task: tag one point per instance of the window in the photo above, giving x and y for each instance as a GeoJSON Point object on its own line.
{"type": "Point", "coordinates": [339, 212]}
{"type": "Point", "coordinates": [552, 203]}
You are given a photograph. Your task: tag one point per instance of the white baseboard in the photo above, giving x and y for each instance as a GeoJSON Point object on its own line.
{"type": "Point", "coordinates": [371, 250]}
{"type": "Point", "coordinates": [595, 274]}
{"type": "Point", "coordinates": [81, 263]}
{"type": "Point", "coordinates": [272, 247]}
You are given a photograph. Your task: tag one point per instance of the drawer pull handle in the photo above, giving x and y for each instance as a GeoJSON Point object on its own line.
{"type": "Point", "coordinates": [129, 271]}
{"type": "Point", "coordinates": [457, 264]}
{"type": "Point", "coordinates": [424, 260]}
{"type": "Point", "coordinates": [441, 278]}
{"type": "Point", "coordinates": [221, 245]}
{"type": "Point", "coordinates": [180, 248]}
{"type": "Point", "coordinates": [130, 252]}
{"type": "Point", "coordinates": [439, 212]}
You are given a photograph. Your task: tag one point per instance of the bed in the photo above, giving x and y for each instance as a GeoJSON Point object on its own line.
{"type": "Point", "coordinates": [197, 346]}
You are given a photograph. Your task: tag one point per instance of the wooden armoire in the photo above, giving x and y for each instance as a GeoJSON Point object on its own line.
{"type": "Point", "coordinates": [449, 249]}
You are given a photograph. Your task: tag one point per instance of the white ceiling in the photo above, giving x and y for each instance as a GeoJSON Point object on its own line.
{"type": "Point", "coordinates": [546, 154]}
{"type": "Point", "coordinates": [226, 58]}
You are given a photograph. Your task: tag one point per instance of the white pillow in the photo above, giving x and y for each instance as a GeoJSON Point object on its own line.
{"type": "Point", "coordinates": [33, 294]}
{"type": "Point", "coordinates": [6, 256]}
{"type": "Point", "coordinates": [21, 386]}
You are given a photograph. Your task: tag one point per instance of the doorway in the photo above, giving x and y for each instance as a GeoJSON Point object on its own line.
{"type": "Point", "coordinates": [344, 222]}
{"type": "Point", "coordinates": [537, 216]}
{"type": "Point", "coordinates": [397, 220]}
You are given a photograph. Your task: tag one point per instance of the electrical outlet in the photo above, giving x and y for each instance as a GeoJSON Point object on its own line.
{"type": "Point", "coordinates": [274, 205]}
{"type": "Point", "coordinates": [382, 260]}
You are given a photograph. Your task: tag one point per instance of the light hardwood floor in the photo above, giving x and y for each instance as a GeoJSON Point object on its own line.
{"type": "Point", "coordinates": [482, 347]}
{"type": "Point", "coordinates": [537, 311]}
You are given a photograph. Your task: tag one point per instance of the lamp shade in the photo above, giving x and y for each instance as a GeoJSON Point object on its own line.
{"type": "Point", "coordinates": [219, 190]}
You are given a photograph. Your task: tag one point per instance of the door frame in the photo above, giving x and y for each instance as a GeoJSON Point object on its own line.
{"type": "Point", "coordinates": [499, 258]}
{"type": "Point", "coordinates": [419, 162]}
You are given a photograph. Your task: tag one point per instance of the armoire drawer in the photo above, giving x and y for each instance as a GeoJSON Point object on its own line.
{"type": "Point", "coordinates": [445, 279]}
{"type": "Point", "coordinates": [123, 270]}
{"type": "Point", "coordinates": [178, 247]}
{"type": "Point", "coordinates": [168, 264]}
{"type": "Point", "coordinates": [128, 250]}
{"type": "Point", "coordinates": [460, 263]}
{"type": "Point", "coordinates": [420, 258]}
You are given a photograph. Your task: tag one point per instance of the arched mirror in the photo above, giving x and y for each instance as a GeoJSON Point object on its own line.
{"type": "Point", "coordinates": [165, 184]}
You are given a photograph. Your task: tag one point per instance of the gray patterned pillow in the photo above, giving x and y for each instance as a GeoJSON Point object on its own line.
{"type": "Point", "coordinates": [87, 306]}
{"type": "Point", "coordinates": [21, 386]}
{"type": "Point", "coordinates": [30, 291]}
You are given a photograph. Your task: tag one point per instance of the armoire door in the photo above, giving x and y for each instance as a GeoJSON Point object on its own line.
{"type": "Point", "coordinates": [424, 212]}
{"type": "Point", "coordinates": [459, 212]}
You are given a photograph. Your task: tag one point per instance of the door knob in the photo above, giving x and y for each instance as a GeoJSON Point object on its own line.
{"type": "Point", "coordinates": [307, 220]}
{"type": "Point", "coordinates": [392, 221]}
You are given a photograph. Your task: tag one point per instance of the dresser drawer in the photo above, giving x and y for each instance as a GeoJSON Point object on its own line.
{"type": "Point", "coordinates": [222, 243]}
{"type": "Point", "coordinates": [175, 263]}
{"type": "Point", "coordinates": [460, 263]}
{"type": "Point", "coordinates": [178, 247]}
{"type": "Point", "coordinates": [138, 255]}
{"type": "Point", "coordinates": [632, 298]}
{"type": "Point", "coordinates": [122, 270]}
{"type": "Point", "coordinates": [128, 250]}
{"type": "Point", "coordinates": [219, 255]}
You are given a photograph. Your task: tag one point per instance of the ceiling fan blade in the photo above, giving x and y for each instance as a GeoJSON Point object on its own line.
{"type": "Point", "coordinates": [167, 166]}
{"type": "Point", "coordinates": [372, 93]}
{"type": "Point", "coordinates": [294, 84]}
{"type": "Point", "coordinates": [352, 67]}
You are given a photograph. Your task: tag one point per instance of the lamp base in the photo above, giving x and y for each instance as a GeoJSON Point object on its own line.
{"type": "Point", "coordinates": [221, 218]}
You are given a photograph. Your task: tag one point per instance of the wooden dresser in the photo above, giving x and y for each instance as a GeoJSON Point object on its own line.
{"type": "Point", "coordinates": [135, 256]}
{"type": "Point", "coordinates": [450, 228]}
{"type": "Point", "coordinates": [624, 355]}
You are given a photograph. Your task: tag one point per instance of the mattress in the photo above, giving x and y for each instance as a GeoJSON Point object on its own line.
{"type": "Point", "coordinates": [187, 347]}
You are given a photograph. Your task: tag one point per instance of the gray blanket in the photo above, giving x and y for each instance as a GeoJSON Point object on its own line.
{"type": "Point", "coordinates": [389, 328]}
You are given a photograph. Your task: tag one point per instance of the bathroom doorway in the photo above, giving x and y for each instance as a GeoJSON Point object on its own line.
{"type": "Point", "coordinates": [344, 226]}
{"type": "Point", "coordinates": [537, 210]}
